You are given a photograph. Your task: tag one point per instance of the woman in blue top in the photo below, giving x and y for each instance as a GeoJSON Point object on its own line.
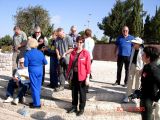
{"type": "Point", "coordinates": [34, 60]}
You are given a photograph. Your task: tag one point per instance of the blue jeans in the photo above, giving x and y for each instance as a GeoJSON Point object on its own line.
{"type": "Point", "coordinates": [53, 72]}
{"type": "Point", "coordinates": [12, 86]}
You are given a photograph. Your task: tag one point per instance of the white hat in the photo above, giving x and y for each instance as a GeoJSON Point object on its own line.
{"type": "Point", "coordinates": [137, 40]}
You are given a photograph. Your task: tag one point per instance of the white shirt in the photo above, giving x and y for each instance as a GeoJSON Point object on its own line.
{"type": "Point", "coordinates": [22, 75]}
{"type": "Point", "coordinates": [89, 45]}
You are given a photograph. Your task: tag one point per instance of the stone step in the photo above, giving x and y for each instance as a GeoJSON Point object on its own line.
{"type": "Point", "coordinates": [91, 105]}
{"type": "Point", "coordinates": [98, 93]}
{"type": "Point", "coordinates": [103, 102]}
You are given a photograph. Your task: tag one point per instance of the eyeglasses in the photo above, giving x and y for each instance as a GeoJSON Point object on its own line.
{"type": "Point", "coordinates": [80, 42]}
{"type": "Point", "coordinates": [125, 30]}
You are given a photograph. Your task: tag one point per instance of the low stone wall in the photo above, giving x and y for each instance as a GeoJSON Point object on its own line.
{"type": "Point", "coordinates": [5, 63]}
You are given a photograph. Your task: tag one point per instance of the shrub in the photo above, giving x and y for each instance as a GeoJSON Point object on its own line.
{"type": "Point", "coordinates": [6, 49]}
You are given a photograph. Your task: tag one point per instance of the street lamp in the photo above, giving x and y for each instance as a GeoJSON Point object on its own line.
{"type": "Point", "coordinates": [89, 17]}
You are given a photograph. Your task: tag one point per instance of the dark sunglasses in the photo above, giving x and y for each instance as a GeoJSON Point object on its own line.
{"type": "Point", "coordinates": [80, 42]}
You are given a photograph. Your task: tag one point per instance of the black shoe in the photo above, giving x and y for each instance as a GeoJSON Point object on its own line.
{"type": "Point", "coordinates": [72, 110]}
{"type": "Point", "coordinates": [32, 106]}
{"type": "Point", "coordinates": [87, 89]}
{"type": "Point", "coordinates": [125, 85]}
{"type": "Point", "coordinates": [116, 84]}
{"type": "Point", "coordinates": [51, 86]}
{"type": "Point", "coordinates": [79, 113]}
{"type": "Point", "coordinates": [35, 106]}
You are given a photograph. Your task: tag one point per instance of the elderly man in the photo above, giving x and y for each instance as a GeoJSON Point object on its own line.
{"type": "Point", "coordinates": [42, 40]}
{"type": "Point", "coordinates": [42, 43]}
{"type": "Point", "coordinates": [21, 81]}
{"type": "Point", "coordinates": [63, 47]}
{"type": "Point", "coordinates": [73, 35]}
{"type": "Point", "coordinates": [124, 46]}
{"type": "Point", "coordinates": [19, 46]}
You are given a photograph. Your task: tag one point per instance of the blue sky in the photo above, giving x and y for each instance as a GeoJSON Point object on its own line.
{"type": "Point", "coordinates": [65, 13]}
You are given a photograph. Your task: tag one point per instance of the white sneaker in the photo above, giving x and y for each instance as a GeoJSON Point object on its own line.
{"type": "Point", "coordinates": [126, 100]}
{"type": "Point", "coordinates": [136, 101]}
{"type": "Point", "coordinates": [15, 101]}
{"type": "Point", "coordinates": [8, 100]}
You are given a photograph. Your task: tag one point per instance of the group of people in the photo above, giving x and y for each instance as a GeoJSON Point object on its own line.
{"type": "Point", "coordinates": [67, 53]}
{"type": "Point", "coordinates": [142, 71]}
{"type": "Point", "coordinates": [70, 59]}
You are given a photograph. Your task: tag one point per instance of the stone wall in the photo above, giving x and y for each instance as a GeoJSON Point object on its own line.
{"type": "Point", "coordinates": [5, 63]}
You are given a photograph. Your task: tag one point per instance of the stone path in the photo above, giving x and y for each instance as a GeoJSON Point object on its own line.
{"type": "Point", "coordinates": [103, 99]}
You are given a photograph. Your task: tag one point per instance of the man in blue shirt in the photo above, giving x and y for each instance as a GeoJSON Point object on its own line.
{"type": "Point", "coordinates": [123, 46]}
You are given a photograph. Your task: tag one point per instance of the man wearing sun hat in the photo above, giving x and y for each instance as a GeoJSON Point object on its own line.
{"type": "Point", "coordinates": [135, 66]}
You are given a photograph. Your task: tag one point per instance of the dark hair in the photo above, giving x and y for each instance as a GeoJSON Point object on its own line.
{"type": "Point", "coordinates": [16, 27]}
{"type": "Point", "coordinates": [80, 38]}
{"type": "Point", "coordinates": [151, 52]}
{"type": "Point", "coordinates": [59, 29]}
{"type": "Point", "coordinates": [88, 32]}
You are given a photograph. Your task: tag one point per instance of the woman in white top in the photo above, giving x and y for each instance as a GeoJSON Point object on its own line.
{"type": "Point", "coordinates": [89, 44]}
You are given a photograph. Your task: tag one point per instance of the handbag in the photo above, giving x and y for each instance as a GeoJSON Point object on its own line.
{"type": "Point", "coordinates": [136, 94]}
{"type": "Point", "coordinates": [70, 75]}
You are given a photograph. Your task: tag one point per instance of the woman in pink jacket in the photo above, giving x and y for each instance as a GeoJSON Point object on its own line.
{"type": "Point", "coordinates": [79, 64]}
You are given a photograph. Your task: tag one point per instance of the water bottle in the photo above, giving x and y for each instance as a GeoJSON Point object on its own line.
{"type": "Point", "coordinates": [23, 111]}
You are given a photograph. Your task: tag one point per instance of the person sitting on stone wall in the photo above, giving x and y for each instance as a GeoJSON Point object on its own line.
{"type": "Point", "coordinates": [20, 81]}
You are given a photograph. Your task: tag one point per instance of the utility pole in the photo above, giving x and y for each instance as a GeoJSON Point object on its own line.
{"type": "Point", "coordinates": [89, 19]}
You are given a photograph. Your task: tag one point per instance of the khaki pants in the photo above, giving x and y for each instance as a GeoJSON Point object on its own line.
{"type": "Point", "coordinates": [134, 79]}
{"type": "Point", "coordinates": [156, 111]}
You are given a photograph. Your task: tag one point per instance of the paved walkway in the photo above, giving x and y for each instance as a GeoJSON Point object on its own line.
{"type": "Point", "coordinates": [103, 99]}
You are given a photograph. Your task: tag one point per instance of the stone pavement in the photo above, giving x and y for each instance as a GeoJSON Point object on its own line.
{"type": "Point", "coordinates": [104, 101]}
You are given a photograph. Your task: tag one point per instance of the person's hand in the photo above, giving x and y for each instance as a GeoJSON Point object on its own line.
{"type": "Point", "coordinates": [15, 79]}
{"type": "Point", "coordinates": [41, 41]}
{"type": "Point", "coordinates": [16, 48]}
{"type": "Point", "coordinates": [64, 55]}
{"type": "Point", "coordinates": [59, 57]}
{"type": "Point", "coordinates": [87, 81]}
{"type": "Point", "coordinates": [44, 48]}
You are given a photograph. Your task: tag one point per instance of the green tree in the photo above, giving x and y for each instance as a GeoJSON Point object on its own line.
{"type": "Point", "coordinates": [129, 12]}
{"type": "Point", "coordinates": [81, 33]}
{"type": "Point", "coordinates": [152, 28]}
{"type": "Point", "coordinates": [28, 18]}
{"type": "Point", "coordinates": [95, 38]}
{"type": "Point", "coordinates": [6, 40]}
{"type": "Point", "coordinates": [147, 29]}
{"type": "Point", "coordinates": [105, 39]}
{"type": "Point", "coordinates": [135, 21]}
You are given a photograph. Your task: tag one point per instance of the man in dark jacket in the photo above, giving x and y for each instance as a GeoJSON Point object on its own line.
{"type": "Point", "coordinates": [42, 43]}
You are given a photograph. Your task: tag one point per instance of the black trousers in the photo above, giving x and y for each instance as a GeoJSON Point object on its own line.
{"type": "Point", "coordinates": [122, 60]}
{"type": "Point", "coordinates": [146, 109]}
{"type": "Point", "coordinates": [90, 73]}
{"type": "Point", "coordinates": [43, 77]}
{"type": "Point", "coordinates": [62, 68]}
{"type": "Point", "coordinates": [78, 87]}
